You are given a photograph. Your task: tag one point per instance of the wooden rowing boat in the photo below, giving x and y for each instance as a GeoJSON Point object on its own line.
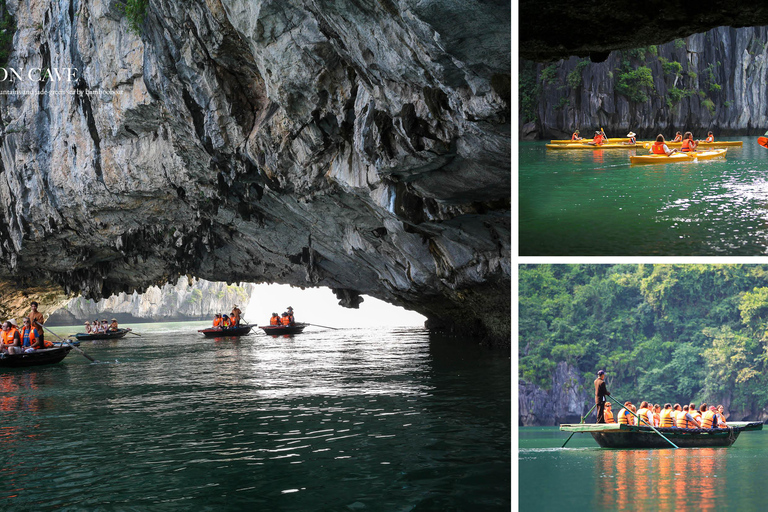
{"type": "Point", "coordinates": [594, 146]}
{"type": "Point", "coordinates": [693, 156]}
{"type": "Point", "coordinates": [614, 435]}
{"type": "Point", "coordinates": [111, 335]}
{"type": "Point", "coordinates": [280, 330]}
{"type": "Point", "coordinates": [36, 358]}
{"type": "Point", "coordinates": [217, 332]}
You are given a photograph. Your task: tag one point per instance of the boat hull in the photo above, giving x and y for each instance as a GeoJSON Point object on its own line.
{"type": "Point", "coordinates": [37, 358]}
{"type": "Point", "coordinates": [678, 157]}
{"type": "Point", "coordinates": [216, 332]}
{"type": "Point", "coordinates": [280, 330]}
{"type": "Point", "coordinates": [83, 336]}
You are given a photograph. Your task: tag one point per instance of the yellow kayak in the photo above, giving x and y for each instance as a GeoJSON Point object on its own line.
{"type": "Point", "coordinates": [716, 144]}
{"type": "Point", "coordinates": [677, 157]}
{"type": "Point", "coordinates": [611, 140]}
{"type": "Point", "coordinates": [594, 146]}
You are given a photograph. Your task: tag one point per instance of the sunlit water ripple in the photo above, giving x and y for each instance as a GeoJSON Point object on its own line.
{"type": "Point", "coordinates": [329, 420]}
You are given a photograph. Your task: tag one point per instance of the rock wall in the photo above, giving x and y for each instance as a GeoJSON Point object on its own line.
{"type": "Point", "coordinates": [565, 402]}
{"type": "Point", "coordinates": [197, 300]}
{"type": "Point", "coordinates": [363, 146]}
{"type": "Point", "coordinates": [719, 86]}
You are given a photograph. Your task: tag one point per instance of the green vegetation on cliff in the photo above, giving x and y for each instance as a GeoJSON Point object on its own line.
{"type": "Point", "coordinates": [663, 332]}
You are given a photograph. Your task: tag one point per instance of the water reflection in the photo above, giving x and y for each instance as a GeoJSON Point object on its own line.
{"type": "Point", "coordinates": [666, 480]}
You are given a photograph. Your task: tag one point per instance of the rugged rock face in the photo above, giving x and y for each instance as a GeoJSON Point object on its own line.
{"type": "Point", "coordinates": [363, 146]}
{"type": "Point", "coordinates": [709, 81]}
{"type": "Point", "coordinates": [565, 402]}
{"type": "Point", "coordinates": [592, 28]}
{"type": "Point", "coordinates": [197, 300]}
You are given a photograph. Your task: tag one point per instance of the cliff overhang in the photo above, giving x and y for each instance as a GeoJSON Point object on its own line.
{"type": "Point", "coordinates": [362, 146]}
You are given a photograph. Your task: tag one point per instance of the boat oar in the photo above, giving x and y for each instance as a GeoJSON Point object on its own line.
{"type": "Point", "coordinates": [582, 421]}
{"type": "Point", "coordinates": [325, 326]}
{"type": "Point", "coordinates": [639, 420]}
{"type": "Point", "coordinates": [65, 342]}
{"type": "Point", "coordinates": [131, 332]}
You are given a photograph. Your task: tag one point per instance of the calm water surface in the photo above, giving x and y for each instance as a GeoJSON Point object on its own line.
{"type": "Point", "coordinates": [587, 477]}
{"type": "Point", "coordinates": [351, 419]}
{"type": "Point", "coordinates": [595, 203]}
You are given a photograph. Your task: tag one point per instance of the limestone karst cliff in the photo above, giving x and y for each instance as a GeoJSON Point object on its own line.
{"type": "Point", "coordinates": [183, 300]}
{"type": "Point", "coordinates": [708, 81]}
{"type": "Point", "coordinates": [361, 145]}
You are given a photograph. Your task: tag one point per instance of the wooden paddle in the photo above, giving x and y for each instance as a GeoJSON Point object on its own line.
{"type": "Point", "coordinates": [65, 342]}
{"type": "Point", "coordinates": [131, 332]}
{"type": "Point", "coordinates": [325, 326]}
{"type": "Point", "coordinates": [763, 141]}
{"type": "Point", "coordinates": [582, 421]}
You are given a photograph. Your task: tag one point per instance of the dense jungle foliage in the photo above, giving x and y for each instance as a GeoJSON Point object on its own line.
{"type": "Point", "coordinates": [668, 333]}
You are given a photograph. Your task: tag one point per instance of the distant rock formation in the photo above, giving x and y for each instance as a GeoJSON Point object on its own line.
{"type": "Point", "coordinates": [199, 300]}
{"type": "Point", "coordinates": [565, 402]}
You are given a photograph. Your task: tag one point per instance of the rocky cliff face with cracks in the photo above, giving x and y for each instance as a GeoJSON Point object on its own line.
{"type": "Point", "coordinates": [708, 81]}
{"type": "Point", "coordinates": [565, 402]}
{"type": "Point", "coordinates": [360, 145]}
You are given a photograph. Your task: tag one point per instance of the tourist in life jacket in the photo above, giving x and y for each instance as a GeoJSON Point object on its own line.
{"type": "Point", "coordinates": [710, 137]}
{"type": "Point", "coordinates": [693, 411]}
{"type": "Point", "coordinates": [709, 417]}
{"type": "Point", "coordinates": [30, 340]}
{"type": "Point", "coordinates": [599, 139]}
{"type": "Point", "coordinates": [625, 416]}
{"type": "Point", "coordinates": [217, 320]}
{"type": "Point", "coordinates": [656, 415]}
{"type": "Point", "coordinates": [685, 419]}
{"type": "Point", "coordinates": [688, 143]}
{"type": "Point", "coordinates": [667, 416]}
{"type": "Point", "coordinates": [285, 319]}
{"type": "Point", "coordinates": [608, 413]}
{"type": "Point", "coordinates": [678, 137]}
{"type": "Point", "coordinates": [11, 340]}
{"type": "Point", "coordinates": [234, 317]}
{"type": "Point", "coordinates": [37, 319]}
{"type": "Point", "coordinates": [113, 326]}
{"type": "Point", "coordinates": [576, 136]}
{"type": "Point", "coordinates": [225, 322]}
{"type": "Point", "coordinates": [660, 147]}
{"type": "Point", "coordinates": [290, 314]}
{"type": "Point", "coordinates": [645, 414]}
{"type": "Point", "coordinates": [275, 320]}
{"type": "Point", "coordinates": [632, 138]}
{"type": "Point", "coordinates": [721, 416]}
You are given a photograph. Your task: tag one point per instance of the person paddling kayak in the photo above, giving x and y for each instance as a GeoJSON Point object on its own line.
{"type": "Point", "coordinates": [660, 147]}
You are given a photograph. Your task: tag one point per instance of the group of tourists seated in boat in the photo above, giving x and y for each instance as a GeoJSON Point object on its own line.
{"type": "Point", "coordinates": [26, 339]}
{"type": "Point", "coordinates": [101, 327]}
{"type": "Point", "coordinates": [659, 147]}
{"type": "Point", "coordinates": [285, 319]}
{"type": "Point", "coordinates": [685, 416]}
{"type": "Point", "coordinates": [228, 321]}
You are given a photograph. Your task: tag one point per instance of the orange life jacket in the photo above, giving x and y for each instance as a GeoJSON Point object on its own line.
{"type": "Point", "coordinates": [682, 421]}
{"type": "Point", "coordinates": [275, 320]}
{"type": "Point", "coordinates": [598, 138]}
{"type": "Point", "coordinates": [608, 416]}
{"type": "Point", "coordinates": [721, 421]}
{"type": "Point", "coordinates": [687, 145]}
{"type": "Point", "coordinates": [707, 419]}
{"type": "Point", "coordinates": [217, 322]}
{"type": "Point", "coordinates": [677, 138]}
{"type": "Point", "coordinates": [658, 148]}
{"type": "Point", "coordinates": [625, 417]}
{"type": "Point", "coordinates": [575, 136]}
{"type": "Point", "coordinates": [28, 336]}
{"type": "Point", "coordinates": [286, 320]}
{"type": "Point", "coordinates": [697, 416]}
{"type": "Point", "coordinates": [8, 335]}
{"type": "Point", "coordinates": [667, 418]}
{"type": "Point", "coordinates": [711, 138]}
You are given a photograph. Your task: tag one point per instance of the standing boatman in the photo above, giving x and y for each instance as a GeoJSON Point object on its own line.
{"type": "Point", "coordinates": [37, 320]}
{"type": "Point", "coordinates": [601, 391]}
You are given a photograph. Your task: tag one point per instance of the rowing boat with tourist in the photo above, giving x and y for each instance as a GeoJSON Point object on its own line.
{"type": "Point", "coordinates": [651, 426]}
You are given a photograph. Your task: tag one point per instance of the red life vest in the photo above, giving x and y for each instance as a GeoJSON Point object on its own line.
{"type": "Point", "coordinates": [217, 322]}
{"type": "Point", "coordinates": [275, 320]}
{"type": "Point", "coordinates": [711, 138]}
{"type": "Point", "coordinates": [286, 320]}
{"type": "Point", "coordinates": [598, 138]}
{"type": "Point", "coordinates": [658, 148]}
{"type": "Point", "coordinates": [575, 136]}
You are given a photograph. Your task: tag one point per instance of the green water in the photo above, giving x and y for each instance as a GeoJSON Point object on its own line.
{"type": "Point", "coordinates": [354, 419]}
{"type": "Point", "coordinates": [594, 203]}
{"type": "Point", "coordinates": [589, 478]}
